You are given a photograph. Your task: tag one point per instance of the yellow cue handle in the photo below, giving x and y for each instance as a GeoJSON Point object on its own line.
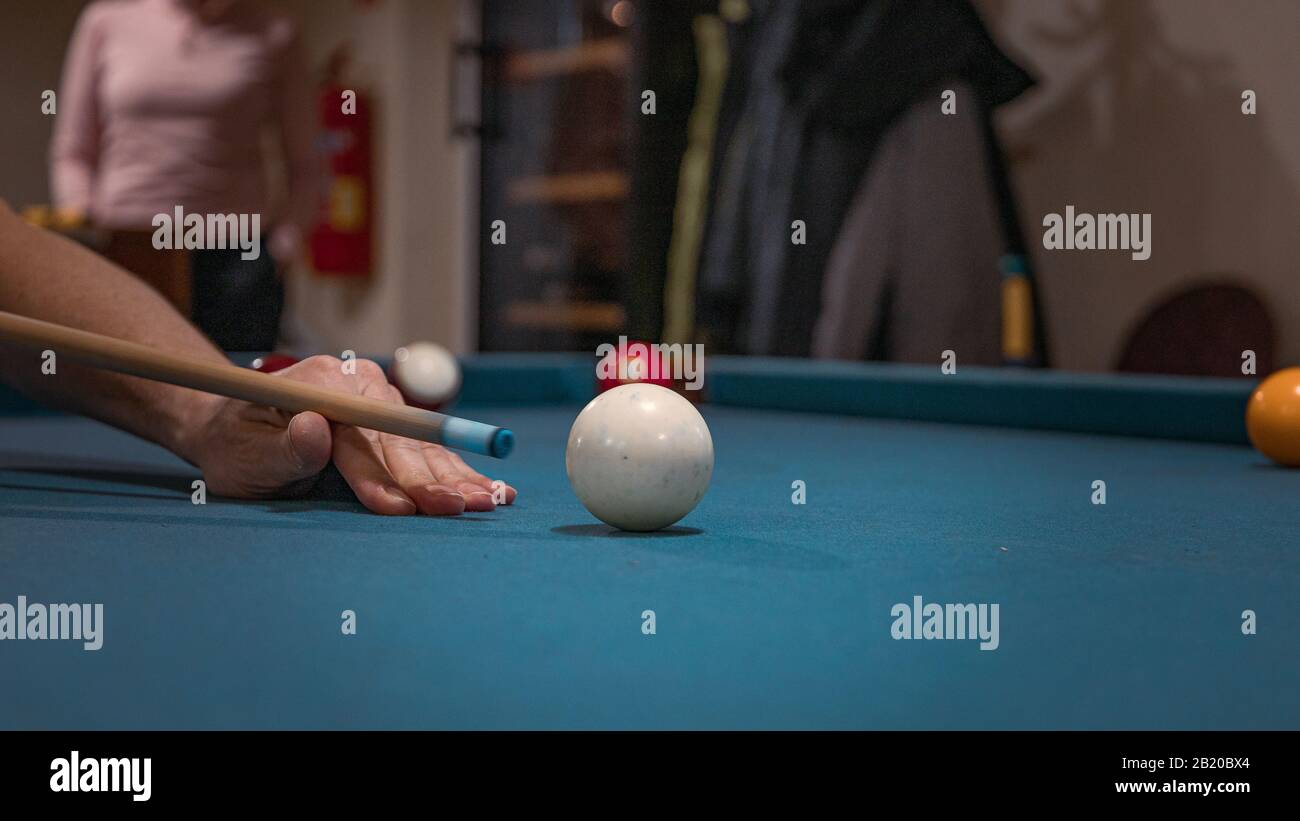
{"type": "Point", "coordinates": [1017, 318]}
{"type": "Point", "coordinates": [109, 353]}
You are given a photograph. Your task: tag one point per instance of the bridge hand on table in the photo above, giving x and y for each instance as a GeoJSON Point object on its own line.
{"type": "Point", "coordinates": [258, 452]}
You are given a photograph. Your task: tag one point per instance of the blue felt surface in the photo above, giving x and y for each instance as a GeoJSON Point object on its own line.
{"type": "Point", "coordinates": [769, 614]}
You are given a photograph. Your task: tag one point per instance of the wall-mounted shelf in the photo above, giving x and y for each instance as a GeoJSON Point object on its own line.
{"type": "Point", "coordinates": [561, 189]}
{"type": "Point", "coordinates": [609, 53]}
{"type": "Point", "coordinates": [599, 317]}
{"type": "Point", "coordinates": [555, 165]}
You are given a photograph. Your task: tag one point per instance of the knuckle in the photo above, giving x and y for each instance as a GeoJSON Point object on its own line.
{"type": "Point", "coordinates": [322, 363]}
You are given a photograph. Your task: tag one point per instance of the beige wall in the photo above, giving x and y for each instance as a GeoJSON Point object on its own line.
{"type": "Point", "coordinates": [425, 282]}
{"type": "Point", "coordinates": [1141, 112]}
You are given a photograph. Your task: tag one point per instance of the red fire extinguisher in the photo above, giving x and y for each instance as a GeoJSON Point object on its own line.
{"type": "Point", "coordinates": [341, 239]}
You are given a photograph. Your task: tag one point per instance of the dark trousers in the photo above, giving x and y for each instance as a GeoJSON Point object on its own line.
{"type": "Point", "coordinates": [236, 302]}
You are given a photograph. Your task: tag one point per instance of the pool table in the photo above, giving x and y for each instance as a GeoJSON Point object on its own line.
{"type": "Point", "coordinates": [976, 487]}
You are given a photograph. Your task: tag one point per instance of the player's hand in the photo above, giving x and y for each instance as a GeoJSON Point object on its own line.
{"type": "Point", "coordinates": [254, 451]}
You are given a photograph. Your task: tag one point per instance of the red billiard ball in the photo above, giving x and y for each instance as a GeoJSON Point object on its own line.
{"type": "Point", "coordinates": [634, 362]}
{"type": "Point", "coordinates": [428, 375]}
{"type": "Point", "coordinates": [272, 362]}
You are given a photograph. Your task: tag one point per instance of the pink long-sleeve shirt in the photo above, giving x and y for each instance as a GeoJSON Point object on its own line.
{"type": "Point", "coordinates": [160, 108]}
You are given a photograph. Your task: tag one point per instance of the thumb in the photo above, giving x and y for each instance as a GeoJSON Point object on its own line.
{"type": "Point", "coordinates": [305, 445]}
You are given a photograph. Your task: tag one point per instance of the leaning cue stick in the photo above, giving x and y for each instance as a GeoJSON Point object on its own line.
{"type": "Point", "coordinates": [108, 353]}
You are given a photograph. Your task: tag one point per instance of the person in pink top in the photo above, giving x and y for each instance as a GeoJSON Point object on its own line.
{"type": "Point", "coordinates": [167, 104]}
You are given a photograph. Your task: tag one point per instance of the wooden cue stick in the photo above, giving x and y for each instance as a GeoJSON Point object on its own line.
{"type": "Point", "coordinates": [109, 353]}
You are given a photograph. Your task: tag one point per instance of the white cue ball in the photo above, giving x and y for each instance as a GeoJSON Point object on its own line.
{"type": "Point", "coordinates": [426, 372]}
{"type": "Point", "coordinates": [639, 457]}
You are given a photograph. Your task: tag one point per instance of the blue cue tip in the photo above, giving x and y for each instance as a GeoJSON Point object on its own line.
{"type": "Point", "coordinates": [477, 437]}
{"type": "Point", "coordinates": [502, 443]}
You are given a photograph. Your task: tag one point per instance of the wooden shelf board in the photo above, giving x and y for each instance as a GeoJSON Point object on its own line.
{"type": "Point", "coordinates": [593, 186]}
{"type": "Point", "coordinates": [610, 53]}
{"type": "Point", "coordinates": [566, 316]}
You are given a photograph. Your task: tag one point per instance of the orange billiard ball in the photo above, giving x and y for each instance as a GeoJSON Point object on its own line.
{"type": "Point", "coordinates": [1273, 417]}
